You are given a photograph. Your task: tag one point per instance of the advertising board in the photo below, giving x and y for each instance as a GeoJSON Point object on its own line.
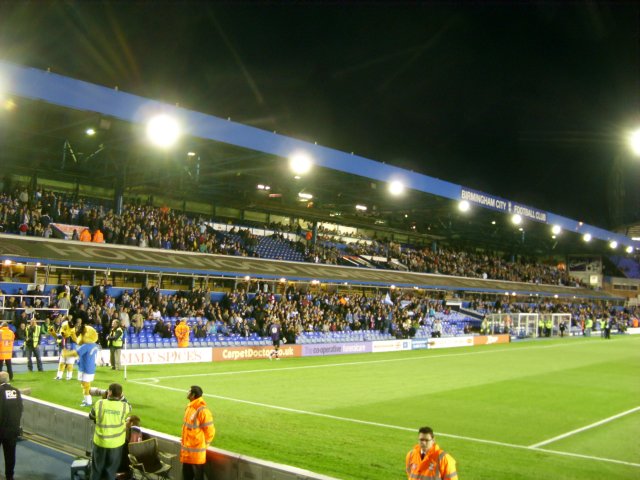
{"type": "Point", "coordinates": [491, 339]}
{"type": "Point", "coordinates": [451, 342]}
{"type": "Point", "coordinates": [420, 344]}
{"type": "Point", "coordinates": [253, 353]}
{"type": "Point", "coordinates": [320, 349]}
{"type": "Point", "coordinates": [156, 356]}
{"type": "Point", "coordinates": [390, 345]}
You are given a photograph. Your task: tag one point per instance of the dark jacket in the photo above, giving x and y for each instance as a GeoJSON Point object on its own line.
{"type": "Point", "coordinates": [10, 411]}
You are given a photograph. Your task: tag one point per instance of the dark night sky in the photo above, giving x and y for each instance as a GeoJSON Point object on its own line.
{"type": "Point", "coordinates": [526, 101]}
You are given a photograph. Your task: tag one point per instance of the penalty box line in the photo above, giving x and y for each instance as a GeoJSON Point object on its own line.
{"type": "Point", "coordinates": [394, 427]}
{"type": "Point", "coordinates": [347, 364]}
{"type": "Point", "coordinates": [582, 429]}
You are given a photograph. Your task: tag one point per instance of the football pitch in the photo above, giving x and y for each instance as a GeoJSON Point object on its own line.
{"type": "Point", "coordinates": [561, 408]}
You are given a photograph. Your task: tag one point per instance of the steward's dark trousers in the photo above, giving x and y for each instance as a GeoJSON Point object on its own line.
{"type": "Point", "coordinates": [105, 462]}
{"type": "Point", "coordinates": [9, 368]}
{"type": "Point", "coordinates": [191, 471]}
{"type": "Point", "coordinates": [9, 447]}
{"type": "Point", "coordinates": [35, 351]}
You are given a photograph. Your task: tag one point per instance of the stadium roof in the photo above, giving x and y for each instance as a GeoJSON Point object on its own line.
{"type": "Point", "coordinates": [80, 255]}
{"type": "Point", "coordinates": [43, 134]}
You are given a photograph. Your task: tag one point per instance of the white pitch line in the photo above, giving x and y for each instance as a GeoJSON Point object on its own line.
{"type": "Point", "coordinates": [346, 364]}
{"type": "Point", "coordinates": [394, 427]}
{"type": "Point", "coordinates": [578, 430]}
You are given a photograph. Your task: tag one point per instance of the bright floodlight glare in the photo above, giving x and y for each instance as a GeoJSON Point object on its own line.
{"type": "Point", "coordinates": [587, 237]}
{"type": "Point", "coordinates": [613, 244]}
{"type": "Point", "coordinates": [629, 249]}
{"type": "Point", "coordinates": [634, 142]}
{"type": "Point", "coordinates": [556, 229]}
{"type": "Point", "coordinates": [300, 163]}
{"type": "Point", "coordinates": [516, 219]}
{"type": "Point", "coordinates": [396, 187]}
{"type": "Point", "coordinates": [90, 131]}
{"type": "Point", "coordinates": [362, 208]}
{"type": "Point", "coordinates": [163, 131]}
{"type": "Point", "coordinates": [464, 206]}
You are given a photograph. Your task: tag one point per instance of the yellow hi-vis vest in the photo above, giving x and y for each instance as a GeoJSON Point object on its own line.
{"type": "Point", "coordinates": [110, 429]}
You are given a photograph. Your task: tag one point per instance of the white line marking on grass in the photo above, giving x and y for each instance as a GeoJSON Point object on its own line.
{"type": "Point", "coordinates": [346, 364]}
{"type": "Point", "coordinates": [394, 427]}
{"type": "Point", "coordinates": [578, 430]}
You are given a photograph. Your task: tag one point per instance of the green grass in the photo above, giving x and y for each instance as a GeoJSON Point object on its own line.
{"type": "Point", "coordinates": [356, 416]}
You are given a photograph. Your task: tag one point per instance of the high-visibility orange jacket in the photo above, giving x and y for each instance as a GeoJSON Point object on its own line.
{"type": "Point", "coordinates": [182, 334]}
{"type": "Point", "coordinates": [98, 237]}
{"type": "Point", "coordinates": [85, 235]}
{"type": "Point", "coordinates": [436, 464]}
{"type": "Point", "coordinates": [197, 432]}
{"type": "Point", "coordinates": [6, 343]}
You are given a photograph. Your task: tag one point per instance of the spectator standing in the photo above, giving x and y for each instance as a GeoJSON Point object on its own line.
{"type": "Point", "coordinates": [10, 416]}
{"type": "Point", "coordinates": [6, 347]}
{"type": "Point", "coordinates": [197, 433]}
{"type": "Point", "coordinates": [116, 336]}
{"type": "Point", "coordinates": [110, 433]}
{"type": "Point", "coordinates": [428, 460]}
{"type": "Point", "coordinates": [32, 345]}
{"type": "Point", "coordinates": [182, 332]}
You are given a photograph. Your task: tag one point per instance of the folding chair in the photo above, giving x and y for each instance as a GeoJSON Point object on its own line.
{"type": "Point", "coordinates": [146, 461]}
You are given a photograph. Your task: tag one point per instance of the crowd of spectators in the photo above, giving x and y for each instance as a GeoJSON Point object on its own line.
{"type": "Point", "coordinates": [397, 313]}
{"type": "Point", "coordinates": [31, 213]}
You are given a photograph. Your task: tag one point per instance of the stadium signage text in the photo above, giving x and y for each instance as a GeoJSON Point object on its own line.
{"type": "Point", "coordinates": [253, 353]}
{"type": "Point", "coordinates": [451, 342]}
{"type": "Point", "coordinates": [497, 203]}
{"type": "Point", "coordinates": [390, 345]}
{"type": "Point", "coordinates": [160, 356]}
{"type": "Point", "coordinates": [335, 349]}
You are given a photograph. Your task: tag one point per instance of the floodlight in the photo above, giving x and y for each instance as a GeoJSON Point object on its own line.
{"type": "Point", "coordinates": [516, 219]}
{"type": "Point", "coordinates": [556, 229]}
{"type": "Point", "coordinates": [586, 237]}
{"type": "Point", "coordinates": [7, 262]}
{"type": "Point", "coordinates": [300, 163]}
{"type": "Point", "coordinates": [362, 208]}
{"type": "Point", "coordinates": [191, 154]}
{"type": "Point", "coordinates": [629, 249]}
{"type": "Point", "coordinates": [305, 196]}
{"type": "Point", "coordinates": [464, 206]}
{"type": "Point", "coordinates": [163, 131]}
{"type": "Point", "coordinates": [613, 244]}
{"type": "Point", "coordinates": [90, 132]}
{"type": "Point", "coordinates": [283, 280]}
{"type": "Point", "coordinates": [396, 187]}
{"type": "Point", "coordinates": [634, 142]}
{"type": "Point", "coordinates": [247, 278]}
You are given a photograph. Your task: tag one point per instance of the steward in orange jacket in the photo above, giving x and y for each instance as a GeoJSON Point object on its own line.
{"type": "Point", "coordinates": [98, 237]}
{"type": "Point", "coordinates": [428, 461]}
{"type": "Point", "coordinates": [85, 235]}
{"type": "Point", "coordinates": [182, 333]}
{"type": "Point", "coordinates": [6, 348]}
{"type": "Point", "coordinates": [197, 433]}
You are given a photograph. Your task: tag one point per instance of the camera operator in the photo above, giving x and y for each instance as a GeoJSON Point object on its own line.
{"type": "Point", "coordinates": [110, 433]}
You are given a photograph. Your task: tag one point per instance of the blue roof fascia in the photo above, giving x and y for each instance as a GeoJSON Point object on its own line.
{"type": "Point", "coordinates": [80, 95]}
